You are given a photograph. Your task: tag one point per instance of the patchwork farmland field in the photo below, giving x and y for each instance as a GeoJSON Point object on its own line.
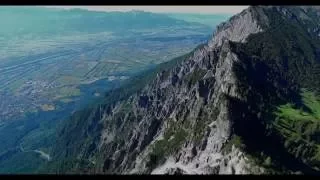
{"type": "Point", "coordinates": [34, 78]}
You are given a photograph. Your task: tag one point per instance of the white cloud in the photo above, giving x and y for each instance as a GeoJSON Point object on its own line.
{"type": "Point", "coordinates": [165, 9]}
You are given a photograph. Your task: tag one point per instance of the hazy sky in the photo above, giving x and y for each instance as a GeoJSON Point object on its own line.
{"type": "Point", "coordinates": [165, 9]}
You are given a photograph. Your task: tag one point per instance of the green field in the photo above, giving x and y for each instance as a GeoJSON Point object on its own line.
{"type": "Point", "coordinates": [289, 112]}
{"type": "Point", "coordinates": [301, 128]}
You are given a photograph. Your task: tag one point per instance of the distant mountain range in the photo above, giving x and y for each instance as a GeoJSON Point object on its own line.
{"type": "Point", "coordinates": [211, 20]}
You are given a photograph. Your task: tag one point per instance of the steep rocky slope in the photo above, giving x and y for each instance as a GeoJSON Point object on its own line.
{"type": "Point", "coordinates": [209, 112]}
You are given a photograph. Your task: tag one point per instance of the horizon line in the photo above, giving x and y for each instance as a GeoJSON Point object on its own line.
{"type": "Point", "coordinates": [161, 9]}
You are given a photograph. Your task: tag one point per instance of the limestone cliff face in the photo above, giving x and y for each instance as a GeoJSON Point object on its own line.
{"type": "Point", "coordinates": [238, 28]}
{"type": "Point", "coordinates": [180, 122]}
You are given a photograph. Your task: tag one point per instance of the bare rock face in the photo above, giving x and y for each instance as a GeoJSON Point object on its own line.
{"type": "Point", "coordinates": [209, 158]}
{"type": "Point", "coordinates": [180, 122]}
{"type": "Point", "coordinates": [237, 29]}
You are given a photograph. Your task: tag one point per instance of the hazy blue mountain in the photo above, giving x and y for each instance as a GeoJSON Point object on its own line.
{"type": "Point", "coordinates": [211, 20]}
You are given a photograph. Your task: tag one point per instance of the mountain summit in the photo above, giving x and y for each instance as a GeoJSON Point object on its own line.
{"type": "Point", "coordinates": [247, 102]}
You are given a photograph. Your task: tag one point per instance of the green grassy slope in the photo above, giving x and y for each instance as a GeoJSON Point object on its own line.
{"type": "Point", "coordinates": [301, 128]}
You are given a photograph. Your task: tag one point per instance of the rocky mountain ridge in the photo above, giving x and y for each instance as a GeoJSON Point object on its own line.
{"type": "Point", "coordinates": [189, 119]}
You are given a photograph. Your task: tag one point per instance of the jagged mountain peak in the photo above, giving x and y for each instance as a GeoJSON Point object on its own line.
{"type": "Point", "coordinates": [237, 28]}
{"type": "Point", "coordinates": [207, 112]}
